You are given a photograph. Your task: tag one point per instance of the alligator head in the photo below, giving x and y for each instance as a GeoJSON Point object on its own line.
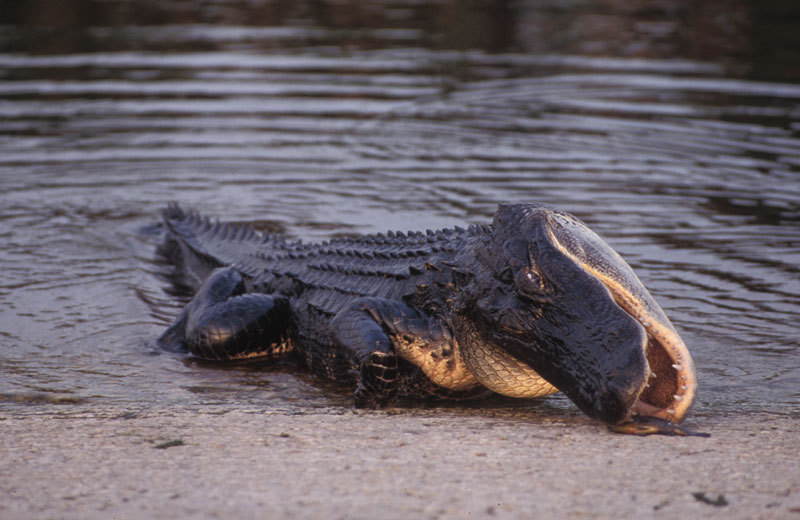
{"type": "Point", "coordinates": [558, 303]}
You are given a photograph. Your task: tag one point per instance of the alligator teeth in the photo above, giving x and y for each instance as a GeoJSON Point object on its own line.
{"type": "Point", "coordinates": [671, 411]}
{"type": "Point", "coordinates": [678, 398]}
{"type": "Point", "coordinates": [684, 388]}
{"type": "Point", "coordinates": [677, 367]}
{"type": "Point", "coordinates": [653, 375]}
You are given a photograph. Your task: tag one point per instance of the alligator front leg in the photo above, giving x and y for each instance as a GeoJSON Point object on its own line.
{"type": "Point", "coordinates": [223, 323]}
{"type": "Point", "coordinates": [362, 331]}
{"type": "Point", "coordinates": [374, 332]}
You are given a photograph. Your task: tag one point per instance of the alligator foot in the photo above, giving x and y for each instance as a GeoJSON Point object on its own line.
{"type": "Point", "coordinates": [377, 387]}
{"type": "Point", "coordinates": [642, 425]}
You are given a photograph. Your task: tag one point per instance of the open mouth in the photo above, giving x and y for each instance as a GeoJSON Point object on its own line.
{"type": "Point", "coordinates": [671, 382]}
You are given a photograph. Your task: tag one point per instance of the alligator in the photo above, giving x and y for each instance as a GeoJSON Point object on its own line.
{"type": "Point", "coordinates": [531, 304]}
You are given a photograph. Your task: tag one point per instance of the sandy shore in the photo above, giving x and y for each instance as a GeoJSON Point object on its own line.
{"type": "Point", "coordinates": [418, 463]}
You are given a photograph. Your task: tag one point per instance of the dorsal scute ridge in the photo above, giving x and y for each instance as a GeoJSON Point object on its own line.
{"type": "Point", "coordinates": [401, 238]}
{"type": "Point", "coordinates": [213, 229]}
{"type": "Point", "coordinates": [396, 254]}
{"type": "Point", "coordinates": [404, 244]}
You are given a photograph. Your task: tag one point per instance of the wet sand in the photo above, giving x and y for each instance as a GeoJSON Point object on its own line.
{"type": "Point", "coordinates": [417, 463]}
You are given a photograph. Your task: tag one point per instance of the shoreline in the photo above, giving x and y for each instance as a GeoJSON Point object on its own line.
{"type": "Point", "coordinates": [418, 463]}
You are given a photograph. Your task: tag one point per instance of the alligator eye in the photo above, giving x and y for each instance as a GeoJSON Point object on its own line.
{"type": "Point", "coordinates": [529, 284]}
{"type": "Point", "coordinates": [534, 285]}
{"type": "Point", "coordinates": [534, 279]}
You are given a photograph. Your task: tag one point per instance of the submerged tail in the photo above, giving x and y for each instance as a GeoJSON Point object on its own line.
{"type": "Point", "coordinates": [195, 246]}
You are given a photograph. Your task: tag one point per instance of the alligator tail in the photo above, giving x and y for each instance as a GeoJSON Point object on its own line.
{"type": "Point", "coordinates": [196, 246]}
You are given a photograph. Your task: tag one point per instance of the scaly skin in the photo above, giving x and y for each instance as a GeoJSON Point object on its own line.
{"type": "Point", "coordinates": [532, 303]}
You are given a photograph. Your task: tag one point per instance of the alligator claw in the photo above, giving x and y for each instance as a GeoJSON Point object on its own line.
{"type": "Point", "coordinates": [369, 399]}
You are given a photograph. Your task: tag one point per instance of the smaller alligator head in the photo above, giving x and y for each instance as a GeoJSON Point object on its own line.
{"type": "Point", "coordinates": [557, 302]}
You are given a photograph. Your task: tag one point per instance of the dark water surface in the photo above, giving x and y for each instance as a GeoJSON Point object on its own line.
{"type": "Point", "coordinates": [672, 130]}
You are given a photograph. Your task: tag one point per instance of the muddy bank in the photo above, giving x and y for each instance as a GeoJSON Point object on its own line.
{"type": "Point", "coordinates": [340, 463]}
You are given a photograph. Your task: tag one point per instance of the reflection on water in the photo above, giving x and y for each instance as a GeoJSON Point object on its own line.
{"type": "Point", "coordinates": [670, 128]}
{"type": "Point", "coordinates": [755, 39]}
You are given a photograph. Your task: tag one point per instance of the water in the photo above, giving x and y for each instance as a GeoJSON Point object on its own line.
{"type": "Point", "coordinates": [673, 131]}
